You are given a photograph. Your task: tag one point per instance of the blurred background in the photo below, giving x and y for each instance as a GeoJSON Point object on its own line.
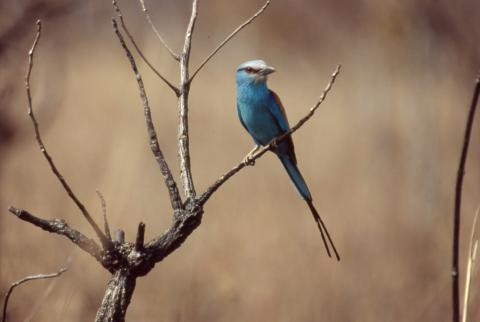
{"type": "Point", "coordinates": [380, 157]}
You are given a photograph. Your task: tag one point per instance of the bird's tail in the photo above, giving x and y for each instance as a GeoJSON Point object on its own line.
{"type": "Point", "coordinates": [323, 230]}
{"type": "Point", "coordinates": [302, 188]}
{"type": "Point", "coordinates": [295, 175]}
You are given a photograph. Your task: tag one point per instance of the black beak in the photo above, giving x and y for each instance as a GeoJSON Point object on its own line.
{"type": "Point", "coordinates": [267, 70]}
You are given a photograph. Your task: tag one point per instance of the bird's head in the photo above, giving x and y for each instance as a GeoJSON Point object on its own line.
{"type": "Point", "coordinates": [253, 72]}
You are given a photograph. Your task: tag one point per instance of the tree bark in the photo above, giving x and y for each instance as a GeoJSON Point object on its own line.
{"type": "Point", "coordinates": [117, 297]}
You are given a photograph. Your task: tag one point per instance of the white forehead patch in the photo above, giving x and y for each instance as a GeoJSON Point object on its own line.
{"type": "Point", "coordinates": [255, 64]}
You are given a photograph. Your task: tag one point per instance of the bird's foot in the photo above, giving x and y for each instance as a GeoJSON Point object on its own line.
{"type": "Point", "coordinates": [249, 158]}
{"type": "Point", "coordinates": [274, 143]}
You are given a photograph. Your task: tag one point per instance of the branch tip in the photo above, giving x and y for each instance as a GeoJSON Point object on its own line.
{"type": "Point", "coordinates": [139, 51]}
{"type": "Point", "coordinates": [26, 279]}
{"type": "Point", "coordinates": [156, 32]}
{"type": "Point", "coordinates": [175, 198]}
{"type": "Point", "coordinates": [228, 38]}
{"type": "Point", "coordinates": [44, 151]}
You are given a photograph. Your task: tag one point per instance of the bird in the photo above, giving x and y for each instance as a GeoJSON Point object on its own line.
{"type": "Point", "coordinates": [263, 116]}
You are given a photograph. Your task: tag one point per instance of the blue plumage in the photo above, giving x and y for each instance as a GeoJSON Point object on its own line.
{"type": "Point", "coordinates": [263, 116]}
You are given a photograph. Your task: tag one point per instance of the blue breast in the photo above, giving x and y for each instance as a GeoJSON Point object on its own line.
{"type": "Point", "coordinates": [254, 113]}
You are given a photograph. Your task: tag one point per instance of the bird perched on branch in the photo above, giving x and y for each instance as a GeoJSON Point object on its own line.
{"type": "Point", "coordinates": [263, 116]}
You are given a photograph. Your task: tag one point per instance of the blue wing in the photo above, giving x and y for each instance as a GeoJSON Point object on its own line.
{"type": "Point", "coordinates": [280, 116]}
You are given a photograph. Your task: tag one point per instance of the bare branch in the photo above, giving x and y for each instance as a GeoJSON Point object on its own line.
{"type": "Point", "coordinates": [60, 227]}
{"type": "Point", "coordinates": [183, 138]}
{"type": "Point", "coordinates": [175, 198]}
{"type": "Point", "coordinates": [106, 227]}
{"type": "Point", "coordinates": [149, 20]}
{"type": "Point", "coordinates": [226, 40]}
{"type": "Point", "coordinates": [105, 242]}
{"type": "Point", "coordinates": [139, 242]}
{"type": "Point", "coordinates": [220, 181]}
{"type": "Point", "coordinates": [183, 225]}
{"type": "Point", "coordinates": [27, 279]}
{"type": "Point", "coordinates": [140, 53]}
{"type": "Point", "coordinates": [458, 204]}
{"type": "Point", "coordinates": [472, 254]}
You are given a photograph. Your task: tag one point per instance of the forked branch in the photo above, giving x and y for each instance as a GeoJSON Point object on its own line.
{"type": "Point", "coordinates": [175, 198]}
{"type": "Point", "coordinates": [183, 133]}
{"type": "Point", "coordinates": [155, 30]}
{"type": "Point", "coordinates": [139, 51]}
{"type": "Point", "coordinates": [103, 239]}
{"type": "Point", "coordinates": [226, 40]}
{"type": "Point", "coordinates": [220, 181]}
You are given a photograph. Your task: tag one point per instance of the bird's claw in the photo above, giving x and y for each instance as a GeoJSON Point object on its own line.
{"type": "Point", "coordinates": [249, 161]}
{"type": "Point", "coordinates": [274, 143]}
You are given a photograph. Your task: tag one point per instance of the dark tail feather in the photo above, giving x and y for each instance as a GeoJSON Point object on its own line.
{"type": "Point", "coordinates": [295, 175]}
{"type": "Point", "coordinates": [323, 230]}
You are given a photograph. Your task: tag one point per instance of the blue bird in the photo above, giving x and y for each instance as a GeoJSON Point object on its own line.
{"type": "Point", "coordinates": [263, 116]}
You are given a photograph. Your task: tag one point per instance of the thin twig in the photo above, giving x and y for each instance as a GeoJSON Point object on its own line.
{"type": "Point", "coordinates": [220, 181]}
{"type": "Point", "coordinates": [472, 253]}
{"type": "Point", "coordinates": [458, 203]}
{"type": "Point", "coordinates": [183, 134]}
{"type": "Point", "coordinates": [139, 51]}
{"type": "Point", "coordinates": [175, 198]}
{"type": "Point", "coordinates": [24, 280]}
{"type": "Point", "coordinates": [40, 300]}
{"type": "Point", "coordinates": [106, 226]}
{"type": "Point", "coordinates": [103, 239]}
{"type": "Point", "coordinates": [164, 43]}
{"type": "Point", "coordinates": [226, 40]}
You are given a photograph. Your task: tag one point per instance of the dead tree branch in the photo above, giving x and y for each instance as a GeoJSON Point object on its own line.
{"type": "Point", "coordinates": [106, 226]}
{"type": "Point", "coordinates": [220, 181]}
{"type": "Point", "coordinates": [129, 260]}
{"type": "Point", "coordinates": [164, 43]}
{"type": "Point", "coordinates": [103, 239]}
{"type": "Point", "coordinates": [27, 279]}
{"type": "Point", "coordinates": [175, 198]}
{"type": "Point", "coordinates": [139, 51]}
{"type": "Point", "coordinates": [60, 227]}
{"type": "Point", "coordinates": [226, 40]}
{"type": "Point", "coordinates": [458, 204]}
{"type": "Point", "coordinates": [183, 134]}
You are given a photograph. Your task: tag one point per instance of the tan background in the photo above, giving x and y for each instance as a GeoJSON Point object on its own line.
{"type": "Point", "coordinates": [380, 158]}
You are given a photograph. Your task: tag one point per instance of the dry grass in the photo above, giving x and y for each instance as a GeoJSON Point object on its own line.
{"type": "Point", "coordinates": [380, 158]}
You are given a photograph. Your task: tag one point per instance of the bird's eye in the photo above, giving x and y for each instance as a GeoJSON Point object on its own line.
{"type": "Point", "coordinates": [249, 69]}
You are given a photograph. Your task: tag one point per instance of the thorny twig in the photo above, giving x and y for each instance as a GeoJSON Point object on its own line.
{"type": "Point", "coordinates": [103, 239]}
{"type": "Point", "coordinates": [220, 181]}
{"type": "Point", "coordinates": [24, 280]}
